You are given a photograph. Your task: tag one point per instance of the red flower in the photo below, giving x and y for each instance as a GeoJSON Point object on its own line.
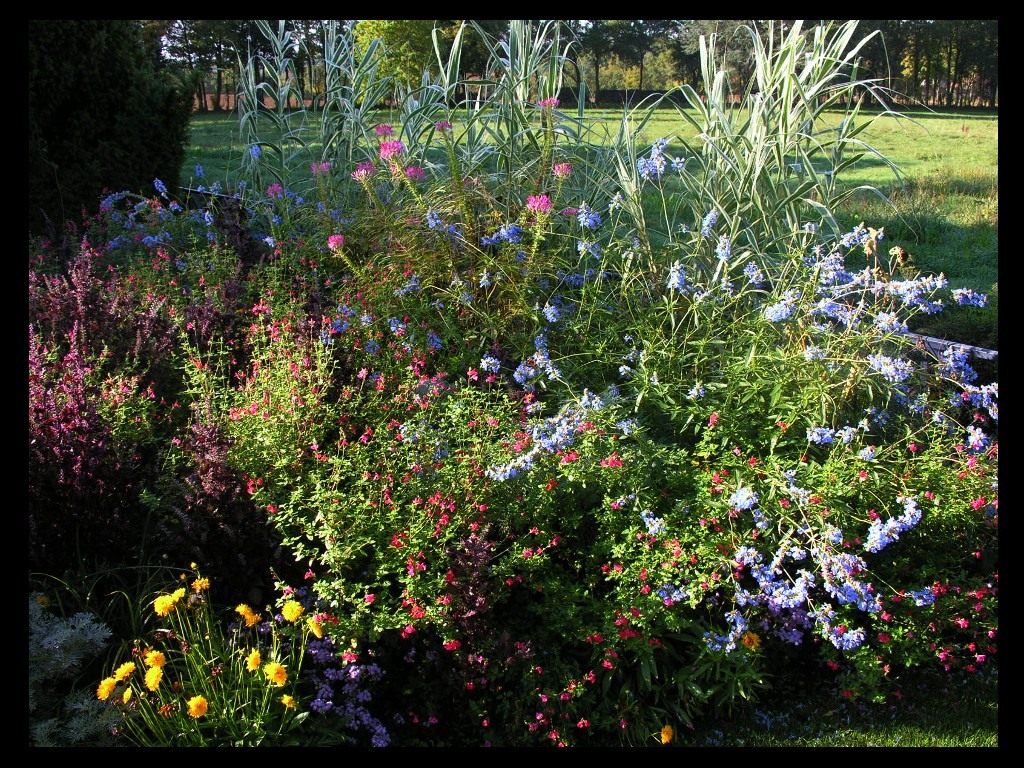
{"type": "Point", "coordinates": [612, 461]}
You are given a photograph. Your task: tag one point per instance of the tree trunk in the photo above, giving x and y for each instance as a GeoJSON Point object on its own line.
{"type": "Point", "coordinates": [220, 89]}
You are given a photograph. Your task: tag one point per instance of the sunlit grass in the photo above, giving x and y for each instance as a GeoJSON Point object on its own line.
{"type": "Point", "coordinates": [935, 711]}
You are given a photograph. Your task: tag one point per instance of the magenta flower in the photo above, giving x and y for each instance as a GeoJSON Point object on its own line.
{"type": "Point", "coordinates": [538, 203]}
{"type": "Point", "coordinates": [562, 170]}
{"type": "Point", "coordinates": [384, 130]}
{"type": "Point", "coordinates": [548, 102]}
{"type": "Point", "coordinates": [390, 149]}
{"type": "Point", "coordinates": [275, 190]}
{"type": "Point", "coordinates": [363, 171]}
{"type": "Point", "coordinates": [316, 168]}
{"type": "Point", "coordinates": [334, 242]}
{"type": "Point", "coordinates": [443, 125]}
{"type": "Point", "coordinates": [414, 172]}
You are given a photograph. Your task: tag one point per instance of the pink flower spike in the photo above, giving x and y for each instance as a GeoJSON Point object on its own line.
{"type": "Point", "coordinates": [552, 102]}
{"type": "Point", "coordinates": [334, 242]}
{"type": "Point", "coordinates": [384, 130]}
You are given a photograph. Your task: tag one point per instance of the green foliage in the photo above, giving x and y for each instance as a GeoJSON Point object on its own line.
{"type": "Point", "coordinates": [102, 115]}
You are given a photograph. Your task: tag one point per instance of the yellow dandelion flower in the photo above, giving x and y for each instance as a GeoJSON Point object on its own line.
{"type": "Point", "coordinates": [127, 695]}
{"type": "Point", "coordinates": [122, 672]}
{"type": "Point", "coordinates": [247, 613]}
{"type": "Point", "coordinates": [288, 701]}
{"type": "Point", "coordinates": [106, 687]}
{"type": "Point", "coordinates": [292, 610]}
{"type": "Point", "coordinates": [153, 677]}
{"type": "Point", "coordinates": [276, 674]}
{"type": "Point", "coordinates": [751, 641]}
{"type": "Point", "coordinates": [43, 600]}
{"type": "Point", "coordinates": [666, 734]}
{"type": "Point", "coordinates": [197, 706]}
{"type": "Point", "coordinates": [252, 661]}
{"type": "Point", "coordinates": [316, 628]}
{"type": "Point", "coordinates": [200, 584]}
{"type": "Point", "coordinates": [154, 659]}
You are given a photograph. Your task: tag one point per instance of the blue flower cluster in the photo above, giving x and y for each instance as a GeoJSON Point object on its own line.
{"type": "Point", "coordinates": [708, 223]}
{"type": "Point", "coordinates": [653, 167]}
{"type": "Point", "coordinates": [509, 233]}
{"type": "Point", "coordinates": [967, 297]}
{"type": "Point", "coordinates": [588, 217]}
{"type": "Point", "coordinates": [882, 534]}
{"type": "Point", "coordinates": [782, 310]}
{"type": "Point", "coordinates": [727, 642]}
{"type": "Point", "coordinates": [841, 636]}
{"type": "Point", "coordinates": [655, 525]}
{"type": "Point", "coordinates": [743, 498]}
{"type": "Point", "coordinates": [894, 370]}
{"type": "Point", "coordinates": [551, 435]}
{"type": "Point", "coordinates": [676, 277]}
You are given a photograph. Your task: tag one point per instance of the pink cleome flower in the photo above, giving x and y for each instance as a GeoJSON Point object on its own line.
{"type": "Point", "coordinates": [363, 171]}
{"type": "Point", "coordinates": [538, 203]}
{"type": "Point", "coordinates": [334, 242]}
{"type": "Point", "coordinates": [562, 170]}
{"type": "Point", "coordinates": [384, 130]}
{"type": "Point", "coordinates": [390, 149]}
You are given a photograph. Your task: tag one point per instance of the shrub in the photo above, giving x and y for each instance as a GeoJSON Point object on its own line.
{"type": "Point", "coordinates": [103, 113]}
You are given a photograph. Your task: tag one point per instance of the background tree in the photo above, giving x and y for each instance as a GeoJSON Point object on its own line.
{"type": "Point", "coordinates": [408, 44]}
{"type": "Point", "coordinates": [637, 38]}
{"type": "Point", "coordinates": [596, 39]}
{"type": "Point", "coordinates": [103, 114]}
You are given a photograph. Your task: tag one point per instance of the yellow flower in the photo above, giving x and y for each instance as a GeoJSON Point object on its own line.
{"type": "Point", "coordinates": [246, 613]}
{"type": "Point", "coordinates": [124, 671]}
{"type": "Point", "coordinates": [200, 584]}
{"type": "Point", "coordinates": [153, 677]}
{"type": "Point", "coordinates": [106, 687]}
{"type": "Point", "coordinates": [127, 695]}
{"type": "Point", "coordinates": [751, 641]}
{"type": "Point", "coordinates": [275, 673]}
{"type": "Point", "coordinates": [291, 610]}
{"type": "Point", "coordinates": [197, 706]}
{"type": "Point", "coordinates": [155, 659]}
{"type": "Point", "coordinates": [666, 734]}
{"type": "Point", "coordinates": [43, 600]}
{"type": "Point", "coordinates": [316, 627]}
{"type": "Point", "coordinates": [167, 603]}
{"type": "Point", "coordinates": [288, 701]}
{"type": "Point", "coordinates": [252, 661]}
